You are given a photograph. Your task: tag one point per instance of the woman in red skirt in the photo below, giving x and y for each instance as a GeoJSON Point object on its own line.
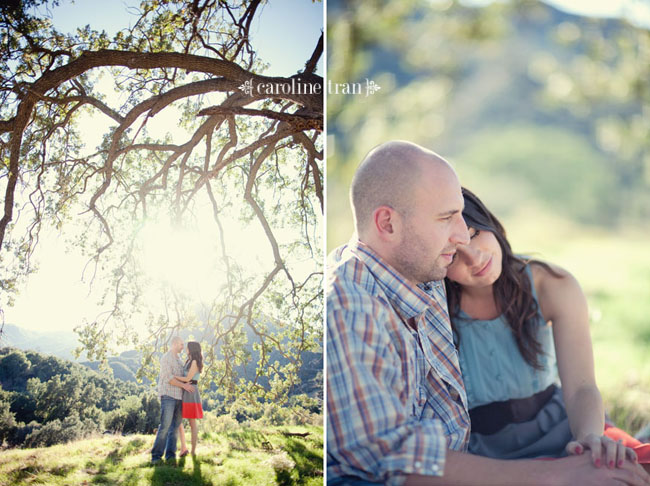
{"type": "Point", "coordinates": [192, 408]}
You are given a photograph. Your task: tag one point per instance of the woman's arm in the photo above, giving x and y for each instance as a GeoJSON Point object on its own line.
{"type": "Point", "coordinates": [194, 368]}
{"type": "Point", "coordinates": [564, 304]}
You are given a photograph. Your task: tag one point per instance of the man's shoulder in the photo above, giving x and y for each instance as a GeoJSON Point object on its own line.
{"type": "Point", "coordinates": [351, 285]}
{"type": "Point", "coordinates": [167, 357]}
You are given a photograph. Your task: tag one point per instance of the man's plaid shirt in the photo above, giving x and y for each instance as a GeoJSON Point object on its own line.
{"type": "Point", "coordinates": [170, 366]}
{"type": "Point", "coordinates": [395, 396]}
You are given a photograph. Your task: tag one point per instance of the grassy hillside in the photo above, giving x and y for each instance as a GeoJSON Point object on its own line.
{"type": "Point", "coordinates": [238, 456]}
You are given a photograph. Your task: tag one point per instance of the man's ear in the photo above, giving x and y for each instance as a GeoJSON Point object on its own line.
{"type": "Point", "coordinates": [387, 222]}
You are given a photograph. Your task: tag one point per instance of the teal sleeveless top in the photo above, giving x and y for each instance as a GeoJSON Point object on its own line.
{"type": "Point", "coordinates": [493, 368]}
{"type": "Point", "coordinates": [196, 376]}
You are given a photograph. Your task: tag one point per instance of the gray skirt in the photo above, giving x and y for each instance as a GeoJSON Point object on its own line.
{"type": "Point", "coordinates": [546, 435]}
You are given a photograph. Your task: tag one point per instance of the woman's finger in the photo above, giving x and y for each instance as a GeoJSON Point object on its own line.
{"type": "Point", "coordinates": [594, 443]}
{"type": "Point", "coordinates": [574, 448]}
{"type": "Point", "coordinates": [621, 451]}
{"type": "Point", "coordinates": [611, 450]}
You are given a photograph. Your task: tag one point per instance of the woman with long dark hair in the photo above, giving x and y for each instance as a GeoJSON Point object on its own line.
{"type": "Point", "coordinates": [192, 408]}
{"type": "Point", "coordinates": [522, 331]}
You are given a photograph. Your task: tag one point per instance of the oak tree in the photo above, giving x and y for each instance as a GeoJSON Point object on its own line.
{"type": "Point", "coordinates": [242, 143]}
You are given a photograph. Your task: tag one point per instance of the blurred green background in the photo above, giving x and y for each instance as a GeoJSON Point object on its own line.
{"type": "Point", "coordinates": [545, 115]}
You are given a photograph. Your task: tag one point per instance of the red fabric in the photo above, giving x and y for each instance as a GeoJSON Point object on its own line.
{"type": "Point", "coordinates": [642, 450]}
{"type": "Point", "coordinates": [192, 410]}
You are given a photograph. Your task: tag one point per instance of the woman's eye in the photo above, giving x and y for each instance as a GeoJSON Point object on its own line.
{"type": "Point", "coordinates": [475, 234]}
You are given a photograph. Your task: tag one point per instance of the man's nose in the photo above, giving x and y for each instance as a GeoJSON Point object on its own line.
{"type": "Point", "coordinates": [460, 233]}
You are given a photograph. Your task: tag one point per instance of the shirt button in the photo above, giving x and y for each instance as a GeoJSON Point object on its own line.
{"type": "Point", "coordinates": [418, 464]}
{"type": "Point", "coordinates": [491, 352]}
{"type": "Point", "coordinates": [435, 468]}
{"type": "Point", "coordinates": [498, 377]}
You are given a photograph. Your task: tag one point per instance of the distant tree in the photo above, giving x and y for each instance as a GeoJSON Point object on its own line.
{"type": "Point", "coordinates": [57, 398]}
{"type": "Point", "coordinates": [242, 142]}
{"type": "Point", "coordinates": [14, 368]}
{"type": "Point", "coordinates": [44, 367]}
{"type": "Point", "coordinates": [604, 82]}
{"type": "Point", "coordinates": [23, 406]}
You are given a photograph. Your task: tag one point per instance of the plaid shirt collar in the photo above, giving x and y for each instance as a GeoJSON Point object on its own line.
{"type": "Point", "coordinates": [407, 299]}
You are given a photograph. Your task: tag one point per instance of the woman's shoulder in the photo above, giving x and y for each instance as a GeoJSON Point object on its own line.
{"type": "Point", "coordinates": [545, 273]}
{"type": "Point", "coordinates": [555, 286]}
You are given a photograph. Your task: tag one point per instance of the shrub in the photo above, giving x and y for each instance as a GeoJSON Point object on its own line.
{"type": "Point", "coordinates": [130, 418]}
{"type": "Point", "coordinates": [219, 424]}
{"type": "Point", "coordinates": [274, 414]}
{"type": "Point", "coordinates": [7, 421]}
{"type": "Point", "coordinates": [244, 411]}
{"type": "Point", "coordinates": [60, 432]}
{"type": "Point", "coordinates": [18, 434]}
{"type": "Point", "coordinates": [115, 420]}
{"type": "Point", "coordinates": [281, 462]}
{"type": "Point", "coordinates": [151, 407]}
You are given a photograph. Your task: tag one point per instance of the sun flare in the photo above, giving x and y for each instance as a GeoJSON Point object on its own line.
{"type": "Point", "coordinates": [184, 259]}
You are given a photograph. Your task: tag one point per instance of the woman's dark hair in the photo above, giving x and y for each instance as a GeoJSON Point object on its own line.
{"type": "Point", "coordinates": [194, 351]}
{"type": "Point", "coordinates": [513, 293]}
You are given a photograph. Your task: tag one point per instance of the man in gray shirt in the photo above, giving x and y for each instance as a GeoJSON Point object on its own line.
{"type": "Point", "coordinates": [170, 391]}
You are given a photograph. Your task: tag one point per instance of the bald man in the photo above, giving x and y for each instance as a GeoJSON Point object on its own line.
{"type": "Point", "coordinates": [170, 391]}
{"type": "Point", "coordinates": [396, 403]}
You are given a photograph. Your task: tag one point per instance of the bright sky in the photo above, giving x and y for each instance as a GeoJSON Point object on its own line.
{"type": "Point", "coordinates": [284, 32]}
{"type": "Point", "coordinates": [55, 298]}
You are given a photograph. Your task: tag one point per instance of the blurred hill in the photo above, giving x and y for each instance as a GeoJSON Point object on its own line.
{"type": "Point", "coordinates": [539, 110]}
{"type": "Point", "coordinates": [60, 343]}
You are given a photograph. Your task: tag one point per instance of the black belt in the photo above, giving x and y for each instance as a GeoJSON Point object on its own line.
{"type": "Point", "coordinates": [489, 419]}
{"type": "Point", "coordinates": [193, 382]}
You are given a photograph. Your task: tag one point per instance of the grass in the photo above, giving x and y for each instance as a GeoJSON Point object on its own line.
{"type": "Point", "coordinates": [242, 456]}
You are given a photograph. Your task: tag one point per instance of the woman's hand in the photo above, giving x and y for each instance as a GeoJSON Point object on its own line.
{"type": "Point", "coordinates": [601, 446]}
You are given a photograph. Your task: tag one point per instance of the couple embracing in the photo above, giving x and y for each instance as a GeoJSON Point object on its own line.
{"type": "Point", "coordinates": [448, 355]}
{"type": "Point", "coordinates": [179, 399]}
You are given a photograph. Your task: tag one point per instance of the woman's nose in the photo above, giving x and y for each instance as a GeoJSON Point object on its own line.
{"type": "Point", "coordinates": [470, 254]}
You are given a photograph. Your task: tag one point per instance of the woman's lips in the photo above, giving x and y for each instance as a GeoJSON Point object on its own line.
{"type": "Point", "coordinates": [485, 268]}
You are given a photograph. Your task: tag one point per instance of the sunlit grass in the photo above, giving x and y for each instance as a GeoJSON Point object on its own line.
{"type": "Point", "coordinates": [237, 457]}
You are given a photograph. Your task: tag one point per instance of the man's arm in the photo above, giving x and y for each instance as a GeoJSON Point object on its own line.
{"type": "Point", "coordinates": [167, 374]}
{"type": "Point", "coordinates": [467, 469]}
{"type": "Point", "coordinates": [185, 386]}
{"type": "Point", "coordinates": [371, 427]}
